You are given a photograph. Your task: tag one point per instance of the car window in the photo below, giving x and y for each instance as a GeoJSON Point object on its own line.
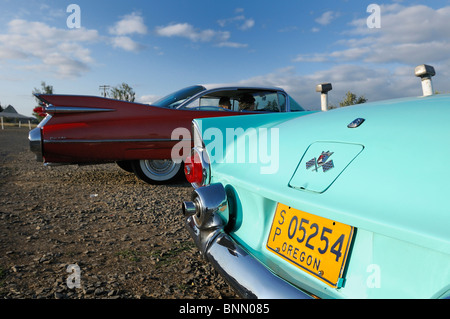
{"type": "Point", "coordinates": [294, 106]}
{"type": "Point", "coordinates": [210, 103]}
{"type": "Point", "coordinates": [261, 101]}
{"type": "Point", "coordinates": [242, 100]}
{"type": "Point", "coordinates": [177, 98]}
{"type": "Point", "coordinates": [282, 101]}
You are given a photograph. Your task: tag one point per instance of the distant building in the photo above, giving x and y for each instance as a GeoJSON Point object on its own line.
{"type": "Point", "coordinates": [11, 113]}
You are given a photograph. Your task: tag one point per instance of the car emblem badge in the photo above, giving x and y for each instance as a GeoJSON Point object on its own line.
{"type": "Point", "coordinates": [357, 122]}
{"type": "Point", "coordinates": [322, 161]}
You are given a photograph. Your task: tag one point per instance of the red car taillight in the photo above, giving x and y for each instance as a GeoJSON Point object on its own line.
{"type": "Point", "coordinates": [193, 169]}
{"type": "Point", "coordinates": [196, 168]}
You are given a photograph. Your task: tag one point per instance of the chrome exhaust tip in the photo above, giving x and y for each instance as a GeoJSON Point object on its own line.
{"type": "Point", "coordinates": [205, 214]}
{"type": "Point", "coordinates": [189, 209]}
{"type": "Point", "coordinates": [206, 202]}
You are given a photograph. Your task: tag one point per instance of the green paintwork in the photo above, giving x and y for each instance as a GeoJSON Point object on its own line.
{"type": "Point", "coordinates": [390, 182]}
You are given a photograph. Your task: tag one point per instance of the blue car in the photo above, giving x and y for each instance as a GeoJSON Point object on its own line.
{"type": "Point", "coordinates": [348, 203]}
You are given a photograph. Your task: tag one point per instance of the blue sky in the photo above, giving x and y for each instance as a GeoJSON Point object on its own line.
{"type": "Point", "coordinates": [160, 46]}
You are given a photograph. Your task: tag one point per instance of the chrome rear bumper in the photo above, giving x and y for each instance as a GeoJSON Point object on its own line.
{"type": "Point", "coordinates": [249, 277]}
{"type": "Point", "coordinates": [34, 136]}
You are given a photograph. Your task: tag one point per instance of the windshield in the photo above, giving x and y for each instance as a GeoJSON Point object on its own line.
{"type": "Point", "coordinates": [294, 105]}
{"type": "Point", "coordinates": [175, 99]}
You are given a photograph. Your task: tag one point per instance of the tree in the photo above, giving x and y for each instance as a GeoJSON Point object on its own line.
{"type": "Point", "coordinates": [38, 111]}
{"type": "Point", "coordinates": [351, 99]}
{"type": "Point", "coordinates": [122, 92]}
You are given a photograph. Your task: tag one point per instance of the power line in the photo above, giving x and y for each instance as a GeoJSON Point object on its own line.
{"type": "Point", "coordinates": [104, 88]}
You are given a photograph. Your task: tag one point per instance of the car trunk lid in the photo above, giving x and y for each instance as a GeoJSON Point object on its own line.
{"type": "Point", "coordinates": [322, 163]}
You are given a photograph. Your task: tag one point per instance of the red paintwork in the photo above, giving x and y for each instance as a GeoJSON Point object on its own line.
{"type": "Point", "coordinates": [127, 121]}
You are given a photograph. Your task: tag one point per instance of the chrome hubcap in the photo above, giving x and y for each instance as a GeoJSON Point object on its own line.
{"type": "Point", "coordinates": [160, 169]}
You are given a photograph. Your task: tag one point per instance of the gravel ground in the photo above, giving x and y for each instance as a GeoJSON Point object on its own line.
{"type": "Point", "coordinates": [127, 237]}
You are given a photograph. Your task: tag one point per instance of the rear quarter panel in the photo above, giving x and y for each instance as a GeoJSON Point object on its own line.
{"type": "Point", "coordinates": [130, 131]}
{"type": "Point", "coordinates": [394, 193]}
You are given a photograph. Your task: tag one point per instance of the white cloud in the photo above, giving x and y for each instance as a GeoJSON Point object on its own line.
{"type": "Point", "coordinates": [379, 63]}
{"type": "Point", "coordinates": [63, 52]}
{"type": "Point", "coordinates": [224, 22]}
{"type": "Point", "coordinates": [45, 48]}
{"type": "Point", "coordinates": [315, 57]}
{"type": "Point", "coordinates": [130, 24]}
{"type": "Point", "coordinates": [374, 83]}
{"type": "Point", "coordinates": [408, 35]}
{"type": "Point", "coordinates": [186, 30]}
{"type": "Point", "coordinates": [240, 21]}
{"type": "Point", "coordinates": [248, 24]}
{"type": "Point", "coordinates": [326, 18]}
{"type": "Point", "coordinates": [148, 99]}
{"type": "Point", "coordinates": [228, 44]}
{"type": "Point", "coordinates": [126, 43]}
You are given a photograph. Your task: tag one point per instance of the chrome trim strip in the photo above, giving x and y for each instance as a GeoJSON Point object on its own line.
{"type": "Point", "coordinates": [288, 101]}
{"type": "Point", "coordinates": [246, 275]}
{"type": "Point", "coordinates": [57, 164]}
{"type": "Point", "coordinates": [249, 277]}
{"type": "Point", "coordinates": [45, 120]}
{"type": "Point", "coordinates": [74, 109]}
{"type": "Point", "coordinates": [116, 141]}
{"type": "Point", "coordinates": [197, 134]}
{"type": "Point", "coordinates": [199, 148]}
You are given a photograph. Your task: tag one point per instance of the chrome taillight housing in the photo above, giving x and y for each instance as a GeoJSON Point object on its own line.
{"type": "Point", "coordinates": [196, 168]}
{"type": "Point", "coordinates": [196, 165]}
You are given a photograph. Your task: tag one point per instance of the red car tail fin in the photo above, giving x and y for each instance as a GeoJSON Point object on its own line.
{"type": "Point", "coordinates": [55, 103]}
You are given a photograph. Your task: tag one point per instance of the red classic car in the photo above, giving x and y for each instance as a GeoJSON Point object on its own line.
{"type": "Point", "coordinates": [141, 138]}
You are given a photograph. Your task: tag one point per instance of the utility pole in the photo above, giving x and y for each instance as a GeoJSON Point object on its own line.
{"type": "Point", "coordinates": [104, 88]}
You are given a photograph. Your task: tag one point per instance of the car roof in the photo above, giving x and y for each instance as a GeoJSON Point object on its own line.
{"type": "Point", "coordinates": [213, 86]}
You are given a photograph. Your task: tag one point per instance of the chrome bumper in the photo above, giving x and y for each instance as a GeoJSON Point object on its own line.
{"type": "Point", "coordinates": [36, 143]}
{"type": "Point", "coordinates": [248, 277]}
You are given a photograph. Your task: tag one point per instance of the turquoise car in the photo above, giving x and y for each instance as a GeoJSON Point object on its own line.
{"type": "Point", "coordinates": [348, 203]}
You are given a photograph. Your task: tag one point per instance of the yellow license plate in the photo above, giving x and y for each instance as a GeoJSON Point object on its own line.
{"type": "Point", "coordinates": [312, 243]}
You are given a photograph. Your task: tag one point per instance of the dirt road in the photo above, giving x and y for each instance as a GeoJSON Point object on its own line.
{"type": "Point", "coordinates": [126, 238]}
